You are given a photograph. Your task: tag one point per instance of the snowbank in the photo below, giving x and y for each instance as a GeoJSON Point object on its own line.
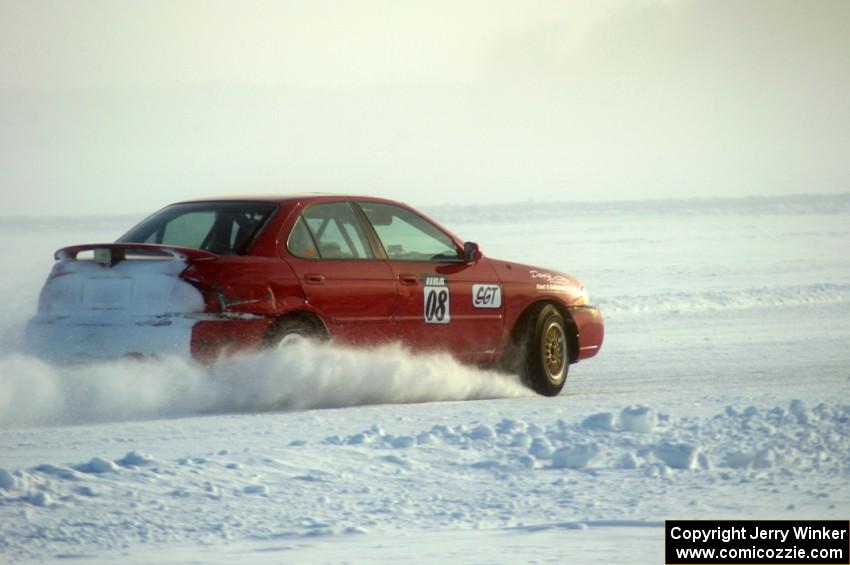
{"type": "Point", "coordinates": [503, 473]}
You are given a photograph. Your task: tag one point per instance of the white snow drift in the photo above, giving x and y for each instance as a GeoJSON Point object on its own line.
{"type": "Point", "coordinates": [489, 474]}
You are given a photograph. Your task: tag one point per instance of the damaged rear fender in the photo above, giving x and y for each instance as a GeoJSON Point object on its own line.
{"type": "Point", "coordinates": [233, 285]}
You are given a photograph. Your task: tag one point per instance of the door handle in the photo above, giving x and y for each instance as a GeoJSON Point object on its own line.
{"type": "Point", "coordinates": [314, 278]}
{"type": "Point", "coordinates": [409, 280]}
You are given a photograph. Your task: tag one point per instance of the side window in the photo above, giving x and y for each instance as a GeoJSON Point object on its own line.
{"type": "Point", "coordinates": [407, 236]}
{"type": "Point", "coordinates": [336, 230]}
{"type": "Point", "coordinates": [300, 241]}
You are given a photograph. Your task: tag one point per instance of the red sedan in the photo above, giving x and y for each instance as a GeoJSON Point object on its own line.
{"type": "Point", "coordinates": [203, 278]}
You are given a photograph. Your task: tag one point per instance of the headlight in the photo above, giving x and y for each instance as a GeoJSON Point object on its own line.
{"type": "Point", "coordinates": [585, 296]}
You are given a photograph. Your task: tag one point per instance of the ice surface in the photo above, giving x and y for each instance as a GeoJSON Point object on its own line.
{"type": "Point", "coordinates": [726, 326]}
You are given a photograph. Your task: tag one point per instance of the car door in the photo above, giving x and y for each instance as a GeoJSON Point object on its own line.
{"type": "Point", "coordinates": [444, 302]}
{"type": "Point", "coordinates": [334, 258]}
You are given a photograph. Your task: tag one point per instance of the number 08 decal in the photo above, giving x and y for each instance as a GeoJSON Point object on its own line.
{"type": "Point", "coordinates": [437, 301]}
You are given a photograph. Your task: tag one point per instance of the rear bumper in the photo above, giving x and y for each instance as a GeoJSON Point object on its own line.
{"type": "Point", "coordinates": [77, 338]}
{"type": "Point", "coordinates": [200, 337]}
{"type": "Point", "coordinates": [591, 330]}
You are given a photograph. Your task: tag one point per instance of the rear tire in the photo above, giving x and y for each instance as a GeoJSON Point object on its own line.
{"type": "Point", "coordinates": [290, 330]}
{"type": "Point", "coordinates": [546, 360]}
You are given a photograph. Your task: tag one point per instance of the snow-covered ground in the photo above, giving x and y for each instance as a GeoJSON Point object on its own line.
{"type": "Point", "coordinates": [721, 391]}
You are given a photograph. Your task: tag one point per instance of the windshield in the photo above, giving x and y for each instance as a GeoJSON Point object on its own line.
{"type": "Point", "coordinates": [226, 228]}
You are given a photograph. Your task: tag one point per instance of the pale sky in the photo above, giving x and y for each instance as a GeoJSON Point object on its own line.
{"type": "Point", "coordinates": [125, 106]}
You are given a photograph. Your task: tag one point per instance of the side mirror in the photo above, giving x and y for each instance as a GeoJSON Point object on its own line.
{"type": "Point", "coordinates": [471, 252]}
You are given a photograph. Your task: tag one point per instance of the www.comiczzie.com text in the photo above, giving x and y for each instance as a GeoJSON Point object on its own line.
{"type": "Point", "coordinates": [767, 541]}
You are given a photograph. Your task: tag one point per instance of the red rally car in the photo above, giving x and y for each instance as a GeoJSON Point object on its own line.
{"type": "Point", "coordinates": [203, 278]}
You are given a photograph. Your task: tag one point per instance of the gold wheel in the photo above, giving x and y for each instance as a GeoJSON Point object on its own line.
{"type": "Point", "coordinates": [544, 342]}
{"type": "Point", "coordinates": [554, 351]}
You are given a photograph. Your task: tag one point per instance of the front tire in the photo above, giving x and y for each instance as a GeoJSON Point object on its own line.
{"type": "Point", "coordinates": [547, 352]}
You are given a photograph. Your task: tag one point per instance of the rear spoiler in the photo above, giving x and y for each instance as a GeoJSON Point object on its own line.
{"type": "Point", "coordinates": [112, 253]}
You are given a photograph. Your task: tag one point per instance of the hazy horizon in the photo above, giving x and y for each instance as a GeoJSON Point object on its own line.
{"type": "Point", "coordinates": [124, 107]}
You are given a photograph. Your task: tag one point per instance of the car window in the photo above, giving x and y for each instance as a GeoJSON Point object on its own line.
{"type": "Point", "coordinates": [219, 227]}
{"type": "Point", "coordinates": [336, 230]}
{"type": "Point", "coordinates": [407, 236]}
{"type": "Point", "coordinates": [189, 230]}
{"type": "Point", "coordinates": [300, 241]}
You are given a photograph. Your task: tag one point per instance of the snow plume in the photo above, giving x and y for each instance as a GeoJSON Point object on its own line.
{"type": "Point", "coordinates": [304, 375]}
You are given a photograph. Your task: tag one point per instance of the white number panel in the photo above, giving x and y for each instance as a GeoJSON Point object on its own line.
{"type": "Point", "coordinates": [437, 301]}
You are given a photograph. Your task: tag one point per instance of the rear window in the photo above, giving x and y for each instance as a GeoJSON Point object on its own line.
{"type": "Point", "coordinates": [226, 228]}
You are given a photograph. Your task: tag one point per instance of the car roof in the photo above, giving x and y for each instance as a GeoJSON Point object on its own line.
{"type": "Point", "coordinates": [304, 197]}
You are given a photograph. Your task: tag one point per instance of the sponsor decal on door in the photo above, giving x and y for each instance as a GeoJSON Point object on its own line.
{"type": "Point", "coordinates": [486, 296]}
